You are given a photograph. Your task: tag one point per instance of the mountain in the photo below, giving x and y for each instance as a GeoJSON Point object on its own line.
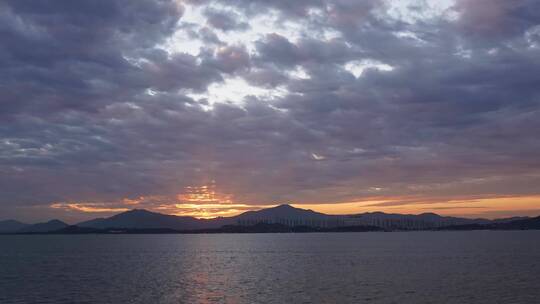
{"type": "Point", "coordinates": [9, 226]}
{"type": "Point", "coordinates": [143, 219]}
{"type": "Point", "coordinates": [289, 216]}
{"type": "Point", "coordinates": [510, 219]}
{"type": "Point", "coordinates": [283, 215]}
{"type": "Point", "coordinates": [139, 220]}
{"type": "Point", "coordinates": [409, 221]}
{"type": "Point", "coordinates": [49, 226]}
{"type": "Point", "coordinates": [77, 230]}
{"type": "Point", "coordinates": [521, 224]}
{"type": "Point", "coordinates": [283, 211]}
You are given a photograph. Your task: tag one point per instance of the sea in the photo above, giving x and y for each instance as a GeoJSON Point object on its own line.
{"type": "Point", "coordinates": [373, 267]}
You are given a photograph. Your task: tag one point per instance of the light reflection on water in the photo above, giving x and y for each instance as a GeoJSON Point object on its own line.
{"type": "Point", "coordinates": [415, 267]}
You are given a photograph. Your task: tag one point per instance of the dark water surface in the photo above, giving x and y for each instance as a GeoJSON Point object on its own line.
{"type": "Point", "coordinates": [412, 267]}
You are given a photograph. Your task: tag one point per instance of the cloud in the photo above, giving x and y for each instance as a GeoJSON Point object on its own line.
{"type": "Point", "coordinates": [496, 19]}
{"type": "Point", "coordinates": [456, 207]}
{"type": "Point", "coordinates": [276, 101]}
{"type": "Point", "coordinates": [224, 20]}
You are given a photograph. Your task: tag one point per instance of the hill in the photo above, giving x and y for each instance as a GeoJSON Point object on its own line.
{"type": "Point", "coordinates": [520, 224]}
{"type": "Point", "coordinates": [143, 219]}
{"type": "Point", "coordinates": [275, 218]}
{"type": "Point", "coordinates": [10, 226]}
{"type": "Point", "coordinates": [49, 226]}
{"type": "Point", "coordinates": [409, 221]}
{"type": "Point", "coordinates": [283, 211]}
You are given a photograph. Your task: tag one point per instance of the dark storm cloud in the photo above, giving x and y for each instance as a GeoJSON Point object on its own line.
{"type": "Point", "coordinates": [495, 19]}
{"type": "Point", "coordinates": [86, 55]}
{"type": "Point", "coordinates": [94, 107]}
{"type": "Point", "coordinates": [279, 50]}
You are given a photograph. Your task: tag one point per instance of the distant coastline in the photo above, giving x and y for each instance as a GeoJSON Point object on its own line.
{"type": "Point", "coordinates": [257, 228]}
{"type": "Point", "coordinates": [280, 219]}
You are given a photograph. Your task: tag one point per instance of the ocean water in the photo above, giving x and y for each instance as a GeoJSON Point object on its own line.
{"type": "Point", "coordinates": [409, 267]}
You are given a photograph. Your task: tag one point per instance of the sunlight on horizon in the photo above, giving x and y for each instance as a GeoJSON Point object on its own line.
{"type": "Point", "coordinates": [204, 202]}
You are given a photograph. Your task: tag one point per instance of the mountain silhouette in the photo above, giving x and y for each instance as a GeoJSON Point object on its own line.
{"type": "Point", "coordinates": [411, 221]}
{"type": "Point", "coordinates": [284, 215]}
{"type": "Point", "coordinates": [283, 211]}
{"type": "Point", "coordinates": [144, 219]}
{"type": "Point", "coordinates": [521, 224]}
{"type": "Point", "coordinates": [49, 226]}
{"type": "Point", "coordinates": [9, 226]}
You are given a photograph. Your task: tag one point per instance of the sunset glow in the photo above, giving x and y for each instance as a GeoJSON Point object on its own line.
{"type": "Point", "coordinates": [202, 202]}
{"type": "Point", "coordinates": [478, 207]}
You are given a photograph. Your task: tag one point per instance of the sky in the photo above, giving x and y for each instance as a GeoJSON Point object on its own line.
{"type": "Point", "coordinates": [211, 108]}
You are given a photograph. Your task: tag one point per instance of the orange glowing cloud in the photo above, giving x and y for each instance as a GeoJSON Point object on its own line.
{"type": "Point", "coordinates": [206, 201]}
{"type": "Point", "coordinates": [87, 207]}
{"type": "Point", "coordinates": [198, 201]}
{"type": "Point", "coordinates": [488, 207]}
